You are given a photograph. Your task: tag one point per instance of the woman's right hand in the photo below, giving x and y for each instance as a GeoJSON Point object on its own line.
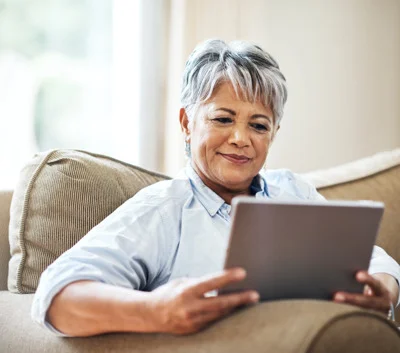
{"type": "Point", "coordinates": [181, 307]}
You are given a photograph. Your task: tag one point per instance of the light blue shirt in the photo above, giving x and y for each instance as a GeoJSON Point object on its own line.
{"type": "Point", "coordinates": [171, 229]}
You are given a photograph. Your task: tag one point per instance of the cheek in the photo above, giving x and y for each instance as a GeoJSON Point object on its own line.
{"type": "Point", "coordinates": [261, 145]}
{"type": "Point", "coordinates": [201, 145]}
{"type": "Point", "coordinates": [211, 140]}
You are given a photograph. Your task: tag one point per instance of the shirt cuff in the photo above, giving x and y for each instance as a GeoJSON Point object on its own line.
{"type": "Point", "coordinates": [43, 298]}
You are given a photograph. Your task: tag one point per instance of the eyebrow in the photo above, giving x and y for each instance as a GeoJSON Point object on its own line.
{"type": "Point", "coordinates": [232, 112]}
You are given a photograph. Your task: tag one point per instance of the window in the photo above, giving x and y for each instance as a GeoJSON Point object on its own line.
{"type": "Point", "coordinates": [68, 74]}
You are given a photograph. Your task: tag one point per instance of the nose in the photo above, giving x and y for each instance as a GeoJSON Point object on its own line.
{"type": "Point", "coordinates": [239, 136]}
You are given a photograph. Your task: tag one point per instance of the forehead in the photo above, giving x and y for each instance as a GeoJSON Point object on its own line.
{"type": "Point", "coordinates": [225, 96]}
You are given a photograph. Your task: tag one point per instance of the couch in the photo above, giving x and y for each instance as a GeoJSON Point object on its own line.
{"type": "Point", "coordinates": [62, 193]}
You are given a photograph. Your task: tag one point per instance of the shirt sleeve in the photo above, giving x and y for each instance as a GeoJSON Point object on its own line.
{"type": "Point", "coordinates": [306, 189]}
{"type": "Point", "coordinates": [128, 249]}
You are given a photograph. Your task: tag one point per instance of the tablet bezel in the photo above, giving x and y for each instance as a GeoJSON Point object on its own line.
{"type": "Point", "coordinates": [313, 274]}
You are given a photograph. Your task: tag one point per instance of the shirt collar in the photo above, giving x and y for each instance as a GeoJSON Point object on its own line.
{"type": "Point", "coordinates": [210, 200]}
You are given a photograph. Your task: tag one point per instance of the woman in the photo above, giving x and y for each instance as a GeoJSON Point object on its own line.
{"type": "Point", "coordinates": [149, 266]}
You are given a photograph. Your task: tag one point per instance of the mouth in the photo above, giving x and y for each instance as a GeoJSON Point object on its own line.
{"type": "Point", "coordinates": [235, 158]}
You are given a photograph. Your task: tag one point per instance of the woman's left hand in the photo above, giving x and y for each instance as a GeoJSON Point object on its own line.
{"type": "Point", "coordinates": [376, 296]}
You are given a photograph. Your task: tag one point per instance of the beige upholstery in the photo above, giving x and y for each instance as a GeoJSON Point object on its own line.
{"type": "Point", "coordinates": [5, 199]}
{"type": "Point", "coordinates": [293, 326]}
{"type": "Point", "coordinates": [356, 170]}
{"type": "Point", "coordinates": [383, 186]}
{"type": "Point", "coordinates": [373, 178]}
{"type": "Point", "coordinates": [60, 196]}
{"type": "Point", "coordinates": [277, 327]}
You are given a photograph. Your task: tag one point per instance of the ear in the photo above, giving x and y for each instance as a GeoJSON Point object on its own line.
{"type": "Point", "coordinates": [184, 121]}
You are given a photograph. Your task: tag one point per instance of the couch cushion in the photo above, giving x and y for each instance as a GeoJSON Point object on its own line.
{"type": "Point", "coordinates": [60, 196]}
{"type": "Point", "coordinates": [290, 326]}
{"type": "Point", "coordinates": [5, 199]}
{"type": "Point", "coordinates": [385, 187]}
{"type": "Point", "coordinates": [359, 169]}
{"type": "Point", "coordinates": [373, 178]}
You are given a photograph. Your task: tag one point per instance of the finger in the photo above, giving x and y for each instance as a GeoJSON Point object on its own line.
{"type": "Point", "coordinates": [367, 302]}
{"type": "Point", "coordinates": [229, 301]}
{"type": "Point", "coordinates": [215, 315]}
{"type": "Point", "coordinates": [214, 307]}
{"type": "Point", "coordinates": [203, 319]}
{"type": "Point", "coordinates": [368, 290]}
{"type": "Point", "coordinates": [217, 281]}
{"type": "Point", "coordinates": [374, 284]}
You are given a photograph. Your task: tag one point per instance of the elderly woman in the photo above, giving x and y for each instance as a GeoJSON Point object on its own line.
{"type": "Point", "coordinates": [149, 265]}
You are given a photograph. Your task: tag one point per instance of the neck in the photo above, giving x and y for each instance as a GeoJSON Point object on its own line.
{"type": "Point", "coordinates": [229, 194]}
{"type": "Point", "coordinates": [225, 192]}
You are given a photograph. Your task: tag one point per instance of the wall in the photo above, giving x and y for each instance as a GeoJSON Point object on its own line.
{"type": "Point", "coordinates": [341, 60]}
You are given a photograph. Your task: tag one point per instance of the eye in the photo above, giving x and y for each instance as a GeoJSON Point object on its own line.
{"type": "Point", "coordinates": [260, 127]}
{"type": "Point", "coordinates": [223, 120]}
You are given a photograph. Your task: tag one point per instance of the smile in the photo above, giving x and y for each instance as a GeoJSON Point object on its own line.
{"type": "Point", "coordinates": [236, 159]}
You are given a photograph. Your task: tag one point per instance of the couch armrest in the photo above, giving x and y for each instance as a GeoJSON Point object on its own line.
{"type": "Point", "coordinates": [301, 326]}
{"type": "Point", "coordinates": [5, 200]}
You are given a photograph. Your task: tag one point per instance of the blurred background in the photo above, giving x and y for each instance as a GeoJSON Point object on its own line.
{"type": "Point", "coordinates": [105, 75]}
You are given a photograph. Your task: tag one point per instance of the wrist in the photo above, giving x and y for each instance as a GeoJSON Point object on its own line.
{"type": "Point", "coordinates": [140, 312]}
{"type": "Point", "coordinates": [156, 313]}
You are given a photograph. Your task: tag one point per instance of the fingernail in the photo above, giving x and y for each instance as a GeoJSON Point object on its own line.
{"type": "Point", "coordinates": [255, 297]}
{"type": "Point", "coordinates": [339, 297]}
{"type": "Point", "coordinates": [240, 273]}
{"type": "Point", "coordinates": [361, 276]}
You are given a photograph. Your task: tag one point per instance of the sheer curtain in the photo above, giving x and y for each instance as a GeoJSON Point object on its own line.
{"type": "Point", "coordinates": [86, 75]}
{"type": "Point", "coordinates": [89, 75]}
{"type": "Point", "coordinates": [55, 75]}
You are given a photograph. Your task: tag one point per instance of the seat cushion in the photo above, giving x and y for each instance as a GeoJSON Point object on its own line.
{"type": "Point", "coordinates": [60, 196]}
{"type": "Point", "coordinates": [290, 326]}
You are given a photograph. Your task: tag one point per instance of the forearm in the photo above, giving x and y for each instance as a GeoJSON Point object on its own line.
{"type": "Point", "coordinates": [86, 308]}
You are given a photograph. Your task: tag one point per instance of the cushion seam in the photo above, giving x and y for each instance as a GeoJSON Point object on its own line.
{"type": "Point", "coordinates": [24, 213]}
{"type": "Point", "coordinates": [333, 320]}
{"type": "Point", "coordinates": [356, 169]}
{"type": "Point", "coordinates": [355, 179]}
{"type": "Point", "coordinates": [122, 162]}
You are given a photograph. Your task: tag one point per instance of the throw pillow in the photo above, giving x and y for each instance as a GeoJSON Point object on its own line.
{"type": "Point", "coordinates": [60, 196]}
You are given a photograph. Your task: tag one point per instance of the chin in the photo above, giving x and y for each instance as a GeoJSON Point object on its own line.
{"type": "Point", "coordinates": [237, 182]}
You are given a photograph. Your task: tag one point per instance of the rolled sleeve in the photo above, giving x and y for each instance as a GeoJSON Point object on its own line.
{"type": "Point", "coordinates": [43, 298]}
{"type": "Point", "coordinates": [126, 249]}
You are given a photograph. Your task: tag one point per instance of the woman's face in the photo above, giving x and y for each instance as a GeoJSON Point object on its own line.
{"type": "Point", "coordinates": [229, 139]}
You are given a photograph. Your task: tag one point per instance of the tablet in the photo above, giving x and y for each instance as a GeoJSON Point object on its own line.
{"type": "Point", "coordinates": [301, 249]}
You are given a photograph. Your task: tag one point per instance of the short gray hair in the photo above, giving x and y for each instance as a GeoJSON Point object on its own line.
{"type": "Point", "coordinates": [253, 73]}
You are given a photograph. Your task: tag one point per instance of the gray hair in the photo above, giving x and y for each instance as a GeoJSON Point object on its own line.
{"type": "Point", "coordinates": [253, 73]}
